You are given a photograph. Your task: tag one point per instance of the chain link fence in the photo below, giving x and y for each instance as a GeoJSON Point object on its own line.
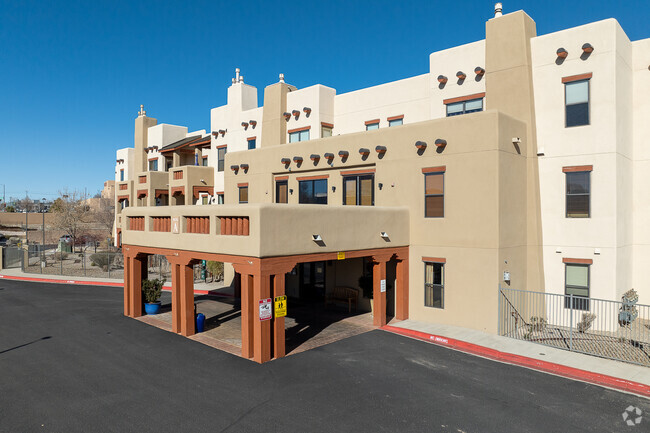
{"type": "Point", "coordinates": [90, 262]}
{"type": "Point", "coordinates": [599, 327]}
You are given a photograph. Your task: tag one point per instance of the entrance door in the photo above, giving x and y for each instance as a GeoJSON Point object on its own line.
{"type": "Point", "coordinates": [312, 281]}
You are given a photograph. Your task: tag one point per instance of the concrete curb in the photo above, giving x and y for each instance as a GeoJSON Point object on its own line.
{"type": "Point", "coordinates": [524, 361]}
{"type": "Point", "coordinates": [100, 283]}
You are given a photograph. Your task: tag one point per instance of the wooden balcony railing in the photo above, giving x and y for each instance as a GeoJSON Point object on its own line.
{"type": "Point", "coordinates": [178, 174]}
{"type": "Point", "coordinates": [198, 224]}
{"type": "Point", "coordinates": [162, 224]}
{"type": "Point", "coordinates": [136, 223]}
{"type": "Point", "coordinates": [237, 226]}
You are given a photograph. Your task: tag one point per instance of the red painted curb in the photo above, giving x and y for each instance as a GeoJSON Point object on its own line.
{"type": "Point", "coordinates": [536, 364]}
{"type": "Point", "coordinates": [100, 283]}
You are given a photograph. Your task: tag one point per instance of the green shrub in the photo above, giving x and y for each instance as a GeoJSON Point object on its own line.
{"type": "Point", "coordinates": [104, 260]}
{"type": "Point", "coordinates": [152, 289]}
{"type": "Point", "coordinates": [216, 269]}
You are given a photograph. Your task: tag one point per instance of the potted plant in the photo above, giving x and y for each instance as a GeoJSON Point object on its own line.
{"type": "Point", "coordinates": [152, 289]}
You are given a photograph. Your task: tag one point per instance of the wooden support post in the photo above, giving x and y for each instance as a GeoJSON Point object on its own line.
{"type": "Point", "coordinates": [279, 349]}
{"type": "Point", "coordinates": [379, 297]}
{"type": "Point", "coordinates": [402, 288]}
{"type": "Point", "coordinates": [136, 286]}
{"type": "Point", "coordinates": [176, 297]}
{"type": "Point", "coordinates": [127, 285]}
{"type": "Point", "coordinates": [247, 349]}
{"type": "Point", "coordinates": [261, 329]}
{"type": "Point", "coordinates": [187, 299]}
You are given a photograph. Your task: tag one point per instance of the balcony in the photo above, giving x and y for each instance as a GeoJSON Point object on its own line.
{"type": "Point", "coordinates": [149, 186]}
{"type": "Point", "coordinates": [123, 193]}
{"type": "Point", "coordinates": [187, 182]}
{"type": "Point", "coordinates": [267, 230]}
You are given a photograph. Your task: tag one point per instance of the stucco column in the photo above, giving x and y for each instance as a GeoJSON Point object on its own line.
{"type": "Point", "coordinates": [127, 284]}
{"type": "Point", "coordinates": [279, 346]}
{"type": "Point", "coordinates": [402, 288]}
{"type": "Point", "coordinates": [379, 297]}
{"type": "Point", "coordinates": [261, 329]}
{"type": "Point", "coordinates": [136, 285]}
{"type": "Point", "coordinates": [176, 297]}
{"type": "Point", "coordinates": [186, 277]}
{"type": "Point", "coordinates": [247, 349]}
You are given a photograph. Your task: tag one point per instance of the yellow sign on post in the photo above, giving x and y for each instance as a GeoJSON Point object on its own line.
{"type": "Point", "coordinates": [340, 255]}
{"type": "Point", "coordinates": [280, 306]}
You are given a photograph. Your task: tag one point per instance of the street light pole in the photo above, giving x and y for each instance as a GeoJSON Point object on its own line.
{"type": "Point", "coordinates": [43, 246]}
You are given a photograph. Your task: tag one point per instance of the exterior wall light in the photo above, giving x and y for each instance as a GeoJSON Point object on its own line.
{"type": "Point", "coordinates": [562, 53]}
{"type": "Point", "coordinates": [384, 235]}
{"type": "Point", "coordinates": [316, 238]}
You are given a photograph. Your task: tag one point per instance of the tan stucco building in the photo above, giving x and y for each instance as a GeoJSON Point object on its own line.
{"type": "Point", "coordinates": [498, 166]}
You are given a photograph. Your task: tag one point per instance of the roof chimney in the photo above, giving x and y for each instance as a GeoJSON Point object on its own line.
{"type": "Point", "coordinates": [498, 8]}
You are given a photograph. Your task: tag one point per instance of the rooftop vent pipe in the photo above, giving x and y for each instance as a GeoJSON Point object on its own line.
{"type": "Point", "coordinates": [498, 9]}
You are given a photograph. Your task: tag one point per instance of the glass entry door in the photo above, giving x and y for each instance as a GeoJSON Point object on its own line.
{"type": "Point", "coordinates": [312, 281]}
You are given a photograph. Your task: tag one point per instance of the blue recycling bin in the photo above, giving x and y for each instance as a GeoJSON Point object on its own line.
{"type": "Point", "coordinates": [200, 322]}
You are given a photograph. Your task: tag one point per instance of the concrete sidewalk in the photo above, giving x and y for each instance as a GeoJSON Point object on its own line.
{"type": "Point", "coordinates": [17, 274]}
{"type": "Point", "coordinates": [618, 375]}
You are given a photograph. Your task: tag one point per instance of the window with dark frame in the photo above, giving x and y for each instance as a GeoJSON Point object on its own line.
{"type": "Point", "coordinates": [396, 122]}
{"type": "Point", "coordinates": [153, 165]}
{"type": "Point", "coordinates": [576, 103]}
{"type": "Point", "coordinates": [297, 136]}
{"type": "Point", "coordinates": [220, 198]}
{"type": "Point", "coordinates": [121, 175]}
{"type": "Point", "coordinates": [204, 161]}
{"type": "Point", "coordinates": [464, 107]}
{"type": "Point", "coordinates": [576, 279]}
{"type": "Point", "coordinates": [371, 126]}
{"type": "Point", "coordinates": [312, 191]}
{"type": "Point", "coordinates": [434, 288]}
{"type": "Point", "coordinates": [359, 190]}
{"type": "Point", "coordinates": [282, 191]}
{"type": "Point", "coordinates": [434, 195]}
{"type": "Point", "coordinates": [221, 158]}
{"type": "Point", "coordinates": [578, 192]}
{"type": "Point", "coordinates": [243, 194]}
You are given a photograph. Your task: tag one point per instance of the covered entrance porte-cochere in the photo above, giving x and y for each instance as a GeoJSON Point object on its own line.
{"type": "Point", "coordinates": [259, 278]}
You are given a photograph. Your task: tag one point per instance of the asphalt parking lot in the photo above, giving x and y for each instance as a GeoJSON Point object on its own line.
{"type": "Point", "coordinates": [71, 362]}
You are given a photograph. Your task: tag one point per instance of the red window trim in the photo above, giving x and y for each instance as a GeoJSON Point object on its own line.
{"type": "Point", "coordinates": [319, 177]}
{"type": "Point", "coordinates": [281, 178]}
{"type": "Point", "coordinates": [464, 98]}
{"type": "Point", "coordinates": [441, 169]}
{"type": "Point", "coordinates": [327, 125]}
{"type": "Point", "coordinates": [579, 77]}
{"type": "Point", "coordinates": [222, 146]}
{"type": "Point", "coordinates": [577, 261]}
{"type": "Point", "coordinates": [365, 171]}
{"type": "Point", "coordinates": [574, 168]}
{"type": "Point", "coordinates": [242, 185]}
{"type": "Point", "coordinates": [122, 197]}
{"type": "Point", "coordinates": [304, 128]}
{"type": "Point", "coordinates": [153, 159]}
{"type": "Point", "coordinates": [371, 122]}
{"type": "Point", "coordinates": [434, 259]}
{"type": "Point", "coordinates": [401, 116]}
{"type": "Point", "coordinates": [251, 138]}
{"type": "Point", "coordinates": [204, 157]}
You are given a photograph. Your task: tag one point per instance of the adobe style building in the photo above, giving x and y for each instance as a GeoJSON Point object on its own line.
{"type": "Point", "coordinates": [516, 160]}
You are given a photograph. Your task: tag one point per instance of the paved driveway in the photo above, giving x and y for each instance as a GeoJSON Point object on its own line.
{"type": "Point", "coordinates": [70, 362]}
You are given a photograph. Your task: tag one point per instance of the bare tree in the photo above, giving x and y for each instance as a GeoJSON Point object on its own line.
{"type": "Point", "coordinates": [104, 214]}
{"type": "Point", "coordinates": [71, 214]}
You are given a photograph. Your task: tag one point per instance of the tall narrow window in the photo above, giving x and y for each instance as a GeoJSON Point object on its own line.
{"type": "Point", "coordinates": [577, 284]}
{"type": "Point", "coordinates": [326, 130]}
{"type": "Point", "coordinates": [221, 158]}
{"type": "Point", "coordinates": [312, 191]}
{"type": "Point", "coordinates": [359, 190]}
{"type": "Point", "coordinates": [252, 143]}
{"type": "Point", "coordinates": [220, 198]}
{"type": "Point", "coordinates": [204, 161]}
{"type": "Point", "coordinates": [282, 191]}
{"type": "Point", "coordinates": [243, 194]}
{"type": "Point", "coordinates": [434, 194]}
{"type": "Point", "coordinates": [434, 288]}
{"type": "Point", "coordinates": [578, 191]}
{"type": "Point", "coordinates": [121, 175]}
{"type": "Point", "coordinates": [576, 98]}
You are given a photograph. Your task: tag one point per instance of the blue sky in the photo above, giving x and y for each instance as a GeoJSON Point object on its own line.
{"type": "Point", "coordinates": [73, 73]}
